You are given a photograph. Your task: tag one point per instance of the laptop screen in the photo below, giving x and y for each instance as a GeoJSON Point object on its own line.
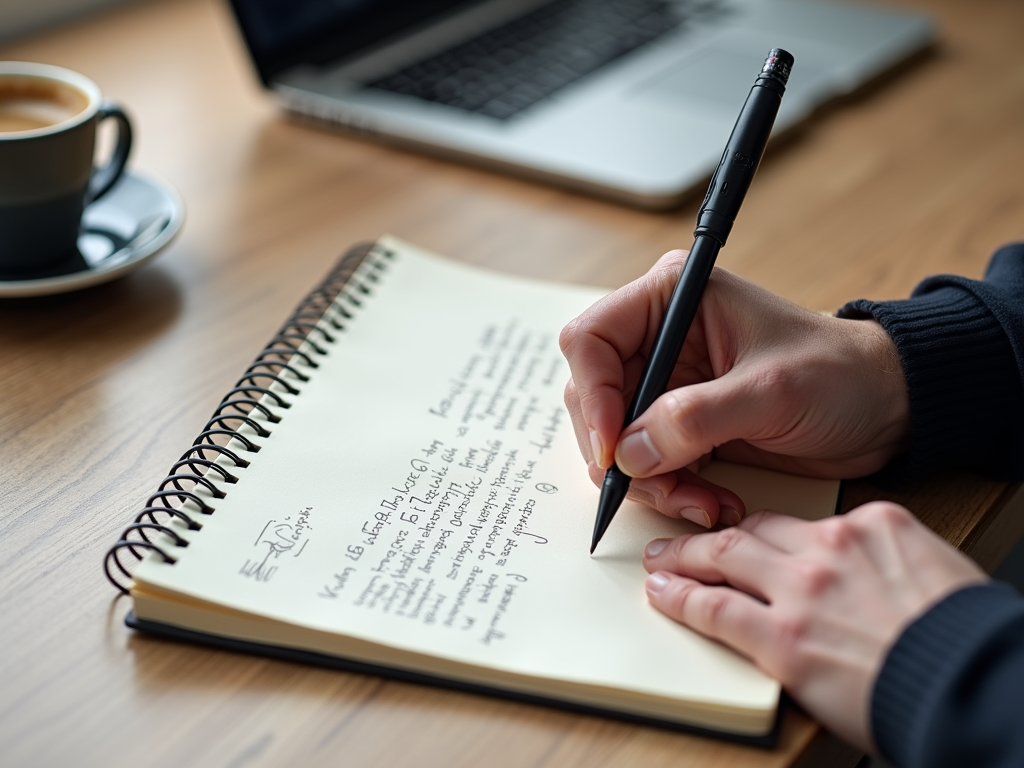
{"type": "Point", "coordinates": [283, 33]}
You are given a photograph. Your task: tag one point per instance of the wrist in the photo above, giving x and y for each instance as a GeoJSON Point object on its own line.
{"type": "Point", "coordinates": [877, 373]}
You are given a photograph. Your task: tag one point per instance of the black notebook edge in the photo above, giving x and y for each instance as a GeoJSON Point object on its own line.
{"type": "Point", "coordinates": [313, 658]}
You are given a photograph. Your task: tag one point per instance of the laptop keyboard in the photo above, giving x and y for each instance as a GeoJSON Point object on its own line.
{"type": "Point", "coordinates": [509, 68]}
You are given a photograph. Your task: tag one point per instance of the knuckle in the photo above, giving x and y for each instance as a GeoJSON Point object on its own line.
{"type": "Point", "coordinates": [878, 514]}
{"type": "Point", "coordinates": [838, 534]}
{"type": "Point", "coordinates": [790, 635]}
{"type": "Point", "coordinates": [713, 610]}
{"type": "Point", "coordinates": [725, 542]}
{"type": "Point", "coordinates": [816, 579]}
{"type": "Point", "coordinates": [568, 336]}
{"type": "Point", "coordinates": [679, 600]}
{"type": "Point", "coordinates": [586, 402]}
{"type": "Point", "coordinates": [676, 549]}
{"type": "Point", "coordinates": [755, 520]}
{"type": "Point", "coordinates": [570, 395]}
{"type": "Point", "coordinates": [666, 268]}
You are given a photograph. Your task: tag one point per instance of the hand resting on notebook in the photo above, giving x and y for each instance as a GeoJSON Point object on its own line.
{"type": "Point", "coordinates": [816, 605]}
{"type": "Point", "coordinates": [760, 381]}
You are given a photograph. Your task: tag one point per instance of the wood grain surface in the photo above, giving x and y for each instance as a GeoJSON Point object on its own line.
{"type": "Point", "coordinates": [101, 390]}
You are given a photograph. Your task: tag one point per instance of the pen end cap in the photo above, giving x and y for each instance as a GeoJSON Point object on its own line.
{"type": "Point", "coordinates": [778, 65]}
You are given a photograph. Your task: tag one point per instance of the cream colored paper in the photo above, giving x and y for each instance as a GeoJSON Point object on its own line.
{"type": "Point", "coordinates": [423, 505]}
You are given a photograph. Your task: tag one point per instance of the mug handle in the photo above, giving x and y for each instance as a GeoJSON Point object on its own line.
{"type": "Point", "coordinates": [102, 179]}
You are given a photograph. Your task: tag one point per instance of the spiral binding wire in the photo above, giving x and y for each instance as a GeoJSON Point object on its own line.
{"type": "Point", "coordinates": [264, 389]}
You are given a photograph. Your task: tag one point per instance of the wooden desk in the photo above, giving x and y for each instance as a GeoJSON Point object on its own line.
{"type": "Point", "coordinates": [100, 391]}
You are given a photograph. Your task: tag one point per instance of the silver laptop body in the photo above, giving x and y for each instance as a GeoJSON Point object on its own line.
{"type": "Point", "coordinates": [645, 128]}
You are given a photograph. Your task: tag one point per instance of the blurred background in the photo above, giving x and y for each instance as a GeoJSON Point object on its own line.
{"type": "Point", "coordinates": [20, 16]}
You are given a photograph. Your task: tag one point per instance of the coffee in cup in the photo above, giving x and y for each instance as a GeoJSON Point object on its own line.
{"type": "Point", "coordinates": [48, 119]}
{"type": "Point", "coordinates": [31, 103]}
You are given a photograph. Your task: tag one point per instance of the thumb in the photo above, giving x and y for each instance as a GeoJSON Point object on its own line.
{"type": "Point", "coordinates": [687, 423]}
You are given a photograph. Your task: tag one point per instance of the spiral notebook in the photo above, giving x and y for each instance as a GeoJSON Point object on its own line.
{"type": "Point", "coordinates": [393, 487]}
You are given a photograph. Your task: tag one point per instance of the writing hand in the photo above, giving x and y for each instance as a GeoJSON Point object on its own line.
{"type": "Point", "coordinates": [816, 605]}
{"type": "Point", "coordinates": [759, 381]}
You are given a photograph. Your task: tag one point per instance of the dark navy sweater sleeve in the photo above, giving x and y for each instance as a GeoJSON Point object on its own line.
{"type": "Point", "coordinates": [961, 344]}
{"type": "Point", "coordinates": [951, 690]}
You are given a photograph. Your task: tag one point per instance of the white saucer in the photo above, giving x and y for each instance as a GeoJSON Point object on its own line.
{"type": "Point", "coordinates": [121, 231]}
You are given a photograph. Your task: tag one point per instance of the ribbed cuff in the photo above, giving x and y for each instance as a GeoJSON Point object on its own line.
{"type": "Point", "coordinates": [966, 407]}
{"type": "Point", "coordinates": [919, 686]}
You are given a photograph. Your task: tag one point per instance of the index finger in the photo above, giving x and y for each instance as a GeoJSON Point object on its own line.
{"type": "Point", "coordinates": [603, 345]}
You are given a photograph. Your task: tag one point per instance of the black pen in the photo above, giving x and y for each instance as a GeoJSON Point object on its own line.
{"type": "Point", "coordinates": [721, 204]}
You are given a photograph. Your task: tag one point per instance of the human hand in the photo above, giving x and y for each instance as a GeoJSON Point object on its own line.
{"type": "Point", "coordinates": [816, 605]}
{"type": "Point", "coordinates": [759, 381]}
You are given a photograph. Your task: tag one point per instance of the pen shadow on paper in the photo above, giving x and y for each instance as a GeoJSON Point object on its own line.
{"type": "Point", "coordinates": [72, 338]}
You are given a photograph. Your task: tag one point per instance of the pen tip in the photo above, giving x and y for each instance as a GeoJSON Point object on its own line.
{"type": "Point", "coordinates": [613, 491]}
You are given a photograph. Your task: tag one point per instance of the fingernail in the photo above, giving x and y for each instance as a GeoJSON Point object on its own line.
{"type": "Point", "coordinates": [696, 515]}
{"type": "Point", "coordinates": [729, 516]}
{"type": "Point", "coordinates": [657, 582]}
{"type": "Point", "coordinates": [595, 446]}
{"type": "Point", "coordinates": [656, 547]}
{"type": "Point", "coordinates": [636, 454]}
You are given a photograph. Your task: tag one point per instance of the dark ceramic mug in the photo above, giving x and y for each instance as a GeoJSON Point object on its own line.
{"type": "Point", "coordinates": [48, 119]}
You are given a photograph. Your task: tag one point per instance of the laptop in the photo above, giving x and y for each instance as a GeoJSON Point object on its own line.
{"type": "Point", "coordinates": [628, 99]}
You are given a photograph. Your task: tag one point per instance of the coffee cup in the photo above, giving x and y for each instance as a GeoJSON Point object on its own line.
{"type": "Point", "coordinates": [48, 121]}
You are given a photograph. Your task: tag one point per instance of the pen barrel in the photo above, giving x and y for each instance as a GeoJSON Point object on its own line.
{"type": "Point", "coordinates": [668, 343]}
{"type": "Point", "coordinates": [741, 157]}
{"type": "Point", "coordinates": [728, 186]}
